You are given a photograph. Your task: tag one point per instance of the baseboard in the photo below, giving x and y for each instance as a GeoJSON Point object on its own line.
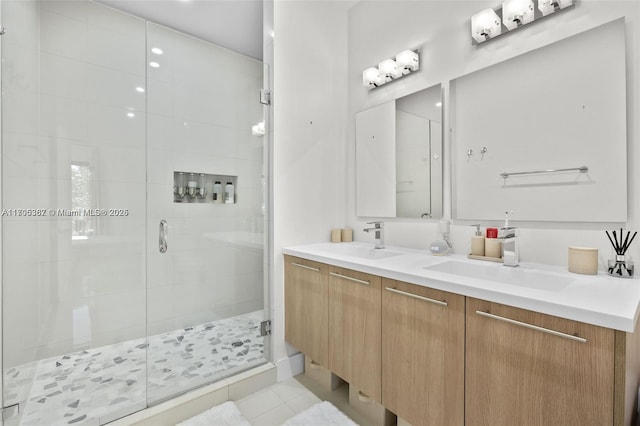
{"type": "Point", "coordinates": [192, 403]}
{"type": "Point", "coordinates": [290, 366]}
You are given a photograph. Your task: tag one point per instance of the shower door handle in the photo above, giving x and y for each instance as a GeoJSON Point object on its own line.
{"type": "Point", "coordinates": [163, 236]}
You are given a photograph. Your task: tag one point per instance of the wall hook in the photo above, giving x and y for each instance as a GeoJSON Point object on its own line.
{"type": "Point", "coordinates": [469, 153]}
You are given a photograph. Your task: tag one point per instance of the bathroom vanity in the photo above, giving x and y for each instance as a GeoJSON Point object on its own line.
{"type": "Point", "coordinates": [447, 340]}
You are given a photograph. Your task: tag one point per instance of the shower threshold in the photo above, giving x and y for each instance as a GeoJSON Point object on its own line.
{"type": "Point", "coordinates": [89, 387]}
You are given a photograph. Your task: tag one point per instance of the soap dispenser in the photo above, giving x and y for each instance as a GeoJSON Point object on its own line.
{"type": "Point", "coordinates": [477, 242]}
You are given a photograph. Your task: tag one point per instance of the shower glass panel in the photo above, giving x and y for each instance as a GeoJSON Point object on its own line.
{"type": "Point", "coordinates": [73, 149]}
{"type": "Point", "coordinates": [96, 322]}
{"type": "Point", "coordinates": [206, 292]}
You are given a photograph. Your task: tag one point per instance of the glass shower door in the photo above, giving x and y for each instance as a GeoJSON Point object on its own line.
{"type": "Point", "coordinates": [205, 180]}
{"type": "Point", "coordinates": [73, 218]}
{"type": "Point", "coordinates": [124, 282]}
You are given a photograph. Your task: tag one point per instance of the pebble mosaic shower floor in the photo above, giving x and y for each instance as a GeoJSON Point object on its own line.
{"type": "Point", "coordinates": [89, 386]}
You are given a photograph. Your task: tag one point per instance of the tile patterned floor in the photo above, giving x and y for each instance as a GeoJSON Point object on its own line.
{"type": "Point", "coordinates": [276, 404]}
{"type": "Point", "coordinates": [86, 387]}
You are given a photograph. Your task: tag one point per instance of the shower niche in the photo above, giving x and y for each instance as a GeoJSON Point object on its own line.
{"type": "Point", "coordinates": [201, 188]}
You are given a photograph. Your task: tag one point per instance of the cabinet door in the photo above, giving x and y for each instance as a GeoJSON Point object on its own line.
{"type": "Point", "coordinates": [527, 368]}
{"type": "Point", "coordinates": [306, 294]}
{"type": "Point", "coordinates": [422, 354]}
{"type": "Point", "coordinates": [354, 329]}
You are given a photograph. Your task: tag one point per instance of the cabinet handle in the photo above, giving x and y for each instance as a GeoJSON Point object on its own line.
{"type": "Point", "coordinates": [300, 265]}
{"type": "Point", "coordinates": [532, 327]}
{"type": "Point", "coordinates": [415, 296]}
{"type": "Point", "coordinates": [349, 278]}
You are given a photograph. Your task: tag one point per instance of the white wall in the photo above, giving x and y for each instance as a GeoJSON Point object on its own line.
{"type": "Point", "coordinates": [312, 162]}
{"type": "Point", "coordinates": [310, 120]}
{"type": "Point", "coordinates": [440, 29]}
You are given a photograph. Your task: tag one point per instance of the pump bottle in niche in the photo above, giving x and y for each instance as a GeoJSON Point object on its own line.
{"type": "Point", "coordinates": [217, 192]}
{"type": "Point", "coordinates": [229, 193]}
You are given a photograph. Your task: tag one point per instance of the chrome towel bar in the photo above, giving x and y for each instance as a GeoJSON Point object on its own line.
{"type": "Point", "coordinates": [582, 169]}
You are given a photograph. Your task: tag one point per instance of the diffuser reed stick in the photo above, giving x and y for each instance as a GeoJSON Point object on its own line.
{"type": "Point", "coordinates": [620, 266]}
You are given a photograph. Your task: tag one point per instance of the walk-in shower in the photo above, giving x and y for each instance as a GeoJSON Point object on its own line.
{"type": "Point", "coordinates": [101, 111]}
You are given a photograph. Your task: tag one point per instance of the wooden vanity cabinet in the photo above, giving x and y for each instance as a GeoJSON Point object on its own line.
{"type": "Point", "coordinates": [423, 354]}
{"type": "Point", "coordinates": [527, 368]}
{"type": "Point", "coordinates": [355, 329]}
{"type": "Point", "coordinates": [306, 308]}
{"type": "Point", "coordinates": [470, 362]}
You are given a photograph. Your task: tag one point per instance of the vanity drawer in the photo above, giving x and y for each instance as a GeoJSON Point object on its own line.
{"type": "Point", "coordinates": [306, 309]}
{"type": "Point", "coordinates": [354, 329]}
{"type": "Point", "coordinates": [525, 367]}
{"type": "Point", "coordinates": [422, 353]}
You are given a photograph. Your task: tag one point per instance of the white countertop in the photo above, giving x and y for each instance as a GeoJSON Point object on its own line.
{"type": "Point", "coordinates": [593, 299]}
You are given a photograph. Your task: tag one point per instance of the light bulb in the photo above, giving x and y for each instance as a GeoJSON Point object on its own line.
{"type": "Point", "coordinates": [485, 25]}
{"type": "Point", "coordinates": [389, 69]}
{"type": "Point", "coordinates": [370, 77]}
{"type": "Point", "coordinates": [408, 60]}
{"type": "Point", "coordinates": [549, 6]}
{"type": "Point", "coordinates": [516, 13]}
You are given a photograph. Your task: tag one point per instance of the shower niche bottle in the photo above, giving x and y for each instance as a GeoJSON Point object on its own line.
{"type": "Point", "coordinates": [217, 192]}
{"type": "Point", "coordinates": [229, 193]}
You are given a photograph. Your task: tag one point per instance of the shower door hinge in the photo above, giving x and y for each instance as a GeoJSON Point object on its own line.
{"type": "Point", "coordinates": [10, 411]}
{"type": "Point", "coordinates": [265, 328]}
{"type": "Point", "coordinates": [265, 97]}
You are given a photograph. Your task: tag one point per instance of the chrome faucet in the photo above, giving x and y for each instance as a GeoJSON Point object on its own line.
{"type": "Point", "coordinates": [378, 227]}
{"type": "Point", "coordinates": [510, 254]}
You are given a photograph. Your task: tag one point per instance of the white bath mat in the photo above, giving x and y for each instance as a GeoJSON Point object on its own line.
{"type": "Point", "coordinates": [226, 414]}
{"type": "Point", "coordinates": [321, 414]}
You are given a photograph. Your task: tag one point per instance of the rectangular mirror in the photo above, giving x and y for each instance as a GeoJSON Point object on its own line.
{"type": "Point", "coordinates": [544, 133]}
{"type": "Point", "coordinates": [399, 157]}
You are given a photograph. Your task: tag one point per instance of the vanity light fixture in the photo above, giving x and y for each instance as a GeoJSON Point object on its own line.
{"type": "Point", "coordinates": [491, 23]}
{"type": "Point", "coordinates": [388, 70]}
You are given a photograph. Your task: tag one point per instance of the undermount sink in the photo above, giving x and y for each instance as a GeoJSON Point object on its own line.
{"type": "Point", "coordinates": [504, 274]}
{"type": "Point", "coordinates": [363, 252]}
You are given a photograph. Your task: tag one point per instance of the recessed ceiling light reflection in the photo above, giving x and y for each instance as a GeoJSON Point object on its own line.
{"type": "Point", "coordinates": [140, 89]}
{"type": "Point", "coordinates": [154, 65]}
{"type": "Point", "coordinates": [157, 51]}
{"type": "Point", "coordinates": [439, 104]}
{"type": "Point", "coordinates": [130, 115]}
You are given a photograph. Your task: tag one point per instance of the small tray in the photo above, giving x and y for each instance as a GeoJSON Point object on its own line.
{"type": "Point", "coordinates": [490, 259]}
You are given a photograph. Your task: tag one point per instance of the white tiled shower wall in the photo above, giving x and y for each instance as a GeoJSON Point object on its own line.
{"type": "Point", "coordinates": [202, 102]}
{"type": "Point", "coordinates": [70, 74]}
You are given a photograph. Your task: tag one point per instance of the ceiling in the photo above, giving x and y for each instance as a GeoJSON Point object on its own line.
{"type": "Point", "coordinates": [234, 24]}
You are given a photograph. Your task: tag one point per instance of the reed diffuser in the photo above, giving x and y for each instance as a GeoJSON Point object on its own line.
{"type": "Point", "coordinates": [620, 266]}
